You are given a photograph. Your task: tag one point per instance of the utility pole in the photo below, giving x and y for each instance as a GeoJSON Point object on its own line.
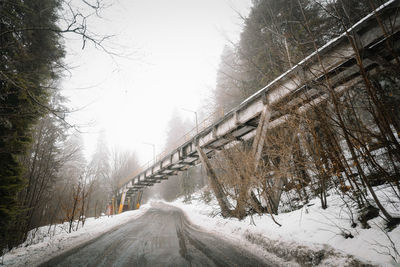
{"type": "Point", "coordinates": [195, 113]}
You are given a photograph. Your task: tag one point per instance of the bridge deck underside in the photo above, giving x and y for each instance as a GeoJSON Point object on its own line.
{"type": "Point", "coordinates": [299, 88]}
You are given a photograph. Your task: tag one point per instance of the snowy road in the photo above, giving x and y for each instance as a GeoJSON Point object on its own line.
{"type": "Point", "coordinates": [160, 237]}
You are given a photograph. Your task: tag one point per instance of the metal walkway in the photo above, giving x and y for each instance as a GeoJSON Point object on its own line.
{"type": "Point", "coordinates": [297, 88]}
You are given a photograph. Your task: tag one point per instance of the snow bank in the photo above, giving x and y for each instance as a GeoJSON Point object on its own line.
{"type": "Point", "coordinates": [310, 235]}
{"type": "Point", "coordinates": [43, 245]}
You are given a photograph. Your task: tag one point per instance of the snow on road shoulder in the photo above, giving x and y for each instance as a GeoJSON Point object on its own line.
{"type": "Point", "coordinates": [48, 245]}
{"type": "Point", "coordinates": [310, 235]}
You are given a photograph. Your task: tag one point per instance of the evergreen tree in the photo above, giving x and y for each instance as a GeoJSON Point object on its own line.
{"type": "Point", "coordinates": [228, 92]}
{"type": "Point", "coordinates": [275, 38]}
{"type": "Point", "coordinates": [30, 54]}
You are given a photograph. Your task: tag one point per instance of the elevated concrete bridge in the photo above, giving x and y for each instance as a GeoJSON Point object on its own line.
{"type": "Point", "coordinates": [297, 88]}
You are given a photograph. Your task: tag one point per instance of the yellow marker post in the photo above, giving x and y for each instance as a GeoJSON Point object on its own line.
{"type": "Point", "coordinates": [121, 204]}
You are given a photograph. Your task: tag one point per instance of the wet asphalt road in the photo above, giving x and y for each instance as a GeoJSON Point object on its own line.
{"type": "Point", "coordinates": [160, 237]}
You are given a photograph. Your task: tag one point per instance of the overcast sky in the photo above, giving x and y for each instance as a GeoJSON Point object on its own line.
{"type": "Point", "coordinates": [170, 51]}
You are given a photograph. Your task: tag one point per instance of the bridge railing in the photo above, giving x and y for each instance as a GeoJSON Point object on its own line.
{"type": "Point", "coordinates": [284, 77]}
{"type": "Point", "coordinates": [209, 120]}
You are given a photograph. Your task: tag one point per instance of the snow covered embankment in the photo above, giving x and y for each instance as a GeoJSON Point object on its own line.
{"type": "Point", "coordinates": [46, 244]}
{"type": "Point", "coordinates": [309, 236]}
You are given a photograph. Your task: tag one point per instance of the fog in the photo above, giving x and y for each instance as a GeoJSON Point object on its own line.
{"type": "Point", "coordinates": [165, 57]}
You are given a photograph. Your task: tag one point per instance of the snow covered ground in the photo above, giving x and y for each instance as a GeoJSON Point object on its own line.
{"type": "Point", "coordinates": [45, 245]}
{"type": "Point", "coordinates": [310, 235]}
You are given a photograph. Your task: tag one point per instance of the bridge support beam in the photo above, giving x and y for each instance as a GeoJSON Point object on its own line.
{"type": "Point", "coordinates": [133, 201]}
{"type": "Point", "coordinates": [138, 199]}
{"type": "Point", "coordinates": [261, 132]}
{"type": "Point", "coordinates": [257, 148]}
{"type": "Point", "coordinates": [215, 185]}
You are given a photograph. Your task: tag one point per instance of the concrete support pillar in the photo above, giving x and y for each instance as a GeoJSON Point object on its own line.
{"type": "Point", "coordinates": [222, 201]}
{"type": "Point", "coordinates": [133, 201]}
{"type": "Point", "coordinates": [139, 199]}
{"type": "Point", "coordinates": [257, 148]}
{"type": "Point", "coordinates": [261, 132]}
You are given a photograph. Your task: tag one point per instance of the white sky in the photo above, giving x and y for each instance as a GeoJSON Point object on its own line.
{"type": "Point", "coordinates": [174, 49]}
